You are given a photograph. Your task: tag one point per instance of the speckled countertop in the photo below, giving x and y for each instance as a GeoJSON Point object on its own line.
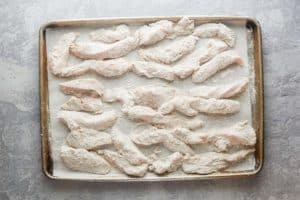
{"type": "Point", "coordinates": [21, 176]}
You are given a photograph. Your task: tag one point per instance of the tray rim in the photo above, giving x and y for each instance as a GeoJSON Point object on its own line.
{"type": "Point", "coordinates": [259, 96]}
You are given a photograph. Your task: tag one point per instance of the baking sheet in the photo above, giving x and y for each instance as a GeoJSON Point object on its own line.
{"type": "Point", "coordinates": [58, 132]}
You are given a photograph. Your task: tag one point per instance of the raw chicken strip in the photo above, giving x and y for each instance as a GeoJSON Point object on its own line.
{"type": "Point", "coordinates": [216, 106]}
{"type": "Point", "coordinates": [100, 51]}
{"type": "Point", "coordinates": [123, 165]}
{"type": "Point", "coordinates": [184, 26]}
{"type": "Point", "coordinates": [154, 32]}
{"type": "Point", "coordinates": [239, 134]}
{"type": "Point", "coordinates": [221, 91]}
{"type": "Point", "coordinates": [220, 31]}
{"type": "Point", "coordinates": [168, 164]}
{"type": "Point", "coordinates": [84, 161]}
{"type": "Point", "coordinates": [210, 162]}
{"type": "Point", "coordinates": [171, 53]}
{"type": "Point", "coordinates": [213, 48]}
{"type": "Point", "coordinates": [77, 69]}
{"type": "Point", "coordinates": [150, 116]}
{"type": "Point", "coordinates": [153, 70]}
{"type": "Point", "coordinates": [151, 135]}
{"type": "Point", "coordinates": [118, 95]}
{"type": "Point", "coordinates": [110, 35]}
{"type": "Point", "coordinates": [107, 68]}
{"type": "Point", "coordinates": [219, 62]}
{"type": "Point", "coordinates": [172, 121]}
{"type": "Point", "coordinates": [176, 145]}
{"type": "Point", "coordinates": [184, 71]}
{"type": "Point", "coordinates": [111, 68]}
{"type": "Point", "coordinates": [82, 87]}
{"type": "Point", "coordinates": [152, 96]}
{"type": "Point", "coordinates": [162, 29]}
{"type": "Point", "coordinates": [188, 64]}
{"type": "Point", "coordinates": [143, 114]}
{"type": "Point", "coordinates": [127, 149]}
{"type": "Point", "coordinates": [190, 106]}
{"type": "Point", "coordinates": [87, 104]}
{"type": "Point", "coordinates": [89, 139]}
{"type": "Point", "coordinates": [147, 135]}
{"type": "Point", "coordinates": [58, 56]}
{"type": "Point", "coordinates": [180, 103]}
{"type": "Point", "coordinates": [75, 120]}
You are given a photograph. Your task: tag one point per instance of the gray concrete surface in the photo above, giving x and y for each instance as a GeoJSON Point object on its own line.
{"type": "Point", "coordinates": [20, 162]}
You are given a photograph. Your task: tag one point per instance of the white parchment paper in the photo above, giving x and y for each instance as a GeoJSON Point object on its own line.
{"type": "Point", "coordinates": [58, 131]}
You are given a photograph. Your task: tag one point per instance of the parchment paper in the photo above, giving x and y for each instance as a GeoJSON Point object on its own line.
{"type": "Point", "coordinates": [58, 131]}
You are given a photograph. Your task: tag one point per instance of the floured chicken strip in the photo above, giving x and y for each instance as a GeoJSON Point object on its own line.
{"type": "Point", "coordinates": [188, 64]}
{"type": "Point", "coordinates": [239, 134]}
{"type": "Point", "coordinates": [58, 56]}
{"type": "Point", "coordinates": [219, 62]}
{"type": "Point", "coordinates": [213, 48]}
{"type": "Point", "coordinates": [89, 139]}
{"type": "Point", "coordinates": [153, 33]}
{"type": "Point", "coordinates": [220, 31]}
{"type": "Point", "coordinates": [75, 120]}
{"type": "Point", "coordinates": [210, 162]}
{"type": "Point", "coordinates": [151, 136]}
{"type": "Point", "coordinates": [191, 106]}
{"type": "Point", "coordinates": [185, 67]}
{"type": "Point", "coordinates": [87, 104]}
{"type": "Point", "coordinates": [111, 68]}
{"type": "Point", "coordinates": [120, 32]}
{"type": "Point", "coordinates": [84, 161]}
{"type": "Point", "coordinates": [143, 114]}
{"type": "Point", "coordinates": [216, 106]}
{"type": "Point", "coordinates": [153, 70]}
{"type": "Point", "coordinates": [147, 135]}
{"type": "Point", "coordinates": [150, 116]}
{"type": "Point", "coordinates": [126, 148]}
{"type": "Point", "coordinates": [184, 26]}
{"type": "Point", "coordinates": [184, 71]}
{"type": "Point", "coordinates": [170, 53]}
{"type": "Point", "coordinates": [76, 70]}
{"type": "Point", "coordinates": [152, 96]}
{"type": "Point", "coordinates": [149, 96]}
{"type": "Point", "coordinates": [180, 103]}
{"type": "Point", "coordinates": [176, 145]}
{"type": "Point", "coordinates": [107, 68]}
{"type": "Point", "coordinates": [220, 91]}
{"type": "Point", "coordinates": [123, 165]}
{"type": "Point", "coordinates": [100, 51]}
{"type": "Point", "coordinates": [118, 95]}
{"type": "Point", "coordinates": [173, 121]}
{"type": "Point", "coordinates": [82, 87]}
{"type": "Point", "coordinates": [168, 164]}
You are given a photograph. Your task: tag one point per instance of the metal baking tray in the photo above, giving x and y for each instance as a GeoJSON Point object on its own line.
{"type": "Point", "coordinates": [257, 108]}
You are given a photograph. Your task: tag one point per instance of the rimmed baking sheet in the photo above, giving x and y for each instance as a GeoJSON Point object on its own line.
{"type": "Point", "coordinates": [52, 132]}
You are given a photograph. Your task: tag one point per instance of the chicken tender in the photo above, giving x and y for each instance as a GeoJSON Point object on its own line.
{"type": "Point", "coordinates": [171, 53]}
{"type": "Point", "coordinates": [88, 139]}
{"type": "Point", "coordinates": [213, 30]}
{"type": "Point", "coordinates": [84, 161]}
{"type": "Point", "coordinates": [75, 120]}
{"type": "Point", "coordinates": [82, 87]}
{"type": "Point", "coordinates": [87, 104]}
{"type": "Point", "coordinates": [120, 32]}
{"type": "Point", "coordinates": [210, 162]}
